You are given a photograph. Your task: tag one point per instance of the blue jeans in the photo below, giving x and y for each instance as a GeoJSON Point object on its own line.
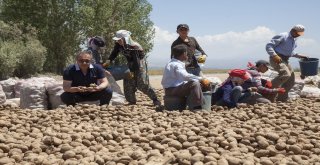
{"type": "Point", "coordinates": [237, 96]}
{"type": "Point", "coordinates": [72, 98]}
{"type": "Point", "coordinates": [195, 71]}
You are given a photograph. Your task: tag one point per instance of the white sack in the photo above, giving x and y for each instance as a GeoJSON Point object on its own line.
{"type": "Point", "coordinates": [8, 87]}
{"type": "Point", "coordinates": [2, 96]}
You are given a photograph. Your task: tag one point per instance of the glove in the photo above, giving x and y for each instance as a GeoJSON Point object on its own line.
{"type": "Point", "coordinates": [202, 59]}
{"type": "Point", "coordinates": [106, 64]}
{"type": "Point", "coordinates": [130, 75]}
{"type": "Point", "coordinates": [281, 90]}
{"type": "Point", "coordinates": [253, 89]}
{"type": "Point", "coordinates": [268, 84]}
{"type": "Point", "coordinates": [277, 59]}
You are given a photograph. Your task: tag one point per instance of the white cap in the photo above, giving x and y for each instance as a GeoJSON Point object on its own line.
{"type": "Point", "coordinates": [122, 34]}
{"type": "Point", "coordinates": [299, 29]}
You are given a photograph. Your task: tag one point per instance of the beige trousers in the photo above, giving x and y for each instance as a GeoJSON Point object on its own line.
{"type": "Point", "coordinates": [285, 79]}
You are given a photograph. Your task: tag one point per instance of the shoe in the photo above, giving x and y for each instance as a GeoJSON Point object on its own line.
{"type": "Point", "coordinates": [197, 107]}
{"type": "Point", "coordinates": [156, 103]}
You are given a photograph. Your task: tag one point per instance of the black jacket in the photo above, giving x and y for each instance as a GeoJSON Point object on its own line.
{"type": "Point", "coordinates": [192, 47]}
{"type": "Point", "coordinates": [132, 55]}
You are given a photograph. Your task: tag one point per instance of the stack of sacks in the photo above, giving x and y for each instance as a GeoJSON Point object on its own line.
{"type": "Point", "coordinates": [295, 92]}
{"type": "Point", "coordinates": [313, 80]}
{"type": "Point", "coordinates": [2, 96]}
{"type": "Point", "coordinates": [8, 87]}
{"type": "Point", "coordinates": [14, 102]}
{"type": "Point", "coordinates": [311, 88]}
{"type": "Point", "coordinates": [33, 93]}
{"type": "Point", "coordinates": [54, 90]}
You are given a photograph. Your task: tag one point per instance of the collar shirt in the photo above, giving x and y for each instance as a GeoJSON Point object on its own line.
{"type": "Point", "coordinates": [74, 74]}
{"type": "Point", "coordinates": [283, 44]}
{"type": "Point", "coordinates": [175, 74]}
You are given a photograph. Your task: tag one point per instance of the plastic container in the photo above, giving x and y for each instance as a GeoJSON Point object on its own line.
{"type": "Point", "coordinates": [207, 98]}
{"type": "Point", "coordinates": [174, 103]}
{"type": "Point", "coordinates": [207, 102]}
{"type": "Point", "coordinates": [309, 66]}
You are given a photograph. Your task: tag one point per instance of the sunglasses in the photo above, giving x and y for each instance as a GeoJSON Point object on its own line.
{"type": "Point", "coordinates": [84, 61]}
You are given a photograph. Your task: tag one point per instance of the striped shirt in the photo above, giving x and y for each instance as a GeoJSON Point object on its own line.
{"type": "Point", "coordinates": [255, 81]}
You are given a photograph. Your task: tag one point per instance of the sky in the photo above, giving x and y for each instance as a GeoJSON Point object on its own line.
{"type": "Point", "coordinates": [233, 32]}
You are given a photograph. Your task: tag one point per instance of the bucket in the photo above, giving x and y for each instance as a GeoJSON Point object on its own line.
{"type": "Point", "coordinates": [309, 66]}
{"type": "Point", "coordinates": [207, 101]}
{"type": "Point", "coordinates": [174, 103]}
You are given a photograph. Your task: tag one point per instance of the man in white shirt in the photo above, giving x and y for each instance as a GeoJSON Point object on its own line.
{"type": "Point", "coordinates": [176, 81]}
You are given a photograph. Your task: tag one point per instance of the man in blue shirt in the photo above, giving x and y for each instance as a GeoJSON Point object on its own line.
{"type": "Point", "coordinates": [281, 48]}
{"type": "Point", "coordinates": [85, 81]}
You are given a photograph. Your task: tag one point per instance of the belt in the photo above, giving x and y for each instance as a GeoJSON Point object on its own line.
{"type": "Point", "coordinates": [283, 57]}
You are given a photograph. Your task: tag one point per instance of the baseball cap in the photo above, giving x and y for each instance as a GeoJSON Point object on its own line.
{"type": "Point", "coordinates": [182, 26]}
{"type": "Point", "coordinates": [299, 29]}
{"type": "Point", "coordinates": [99, 41]}
{"type": "Point", "coordinates": [239, 73]}
{"type": "Point", "coordinates": [122, 34]}
{"type": "Point", "coordinates": [263, 62]}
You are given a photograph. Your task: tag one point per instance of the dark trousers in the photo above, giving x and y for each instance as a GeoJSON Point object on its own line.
{"type": "Point", "coordinates": [191, 89]}
{"type": "Point", "coordinates": [138, 82]}
{"type": "Point", "coordinates": [72, 98]}
{"type": "Point", "coordinates": [237, 95]}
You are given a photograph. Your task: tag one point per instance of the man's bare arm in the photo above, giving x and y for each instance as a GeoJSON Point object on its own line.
{"type": "Point", "coordinates": [67, 87]}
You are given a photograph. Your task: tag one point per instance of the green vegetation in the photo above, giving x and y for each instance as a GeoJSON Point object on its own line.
{"type": "Point", "coordinates": [21, 54]}
{"type": "Point", "coordinates": [62, 26]}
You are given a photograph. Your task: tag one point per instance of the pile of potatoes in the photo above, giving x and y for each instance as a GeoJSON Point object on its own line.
{"type": "Point", "coordinates": [278, 133]}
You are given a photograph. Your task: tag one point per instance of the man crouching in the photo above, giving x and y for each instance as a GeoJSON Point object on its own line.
{"type": "Point", "coordinates": [85, 81]}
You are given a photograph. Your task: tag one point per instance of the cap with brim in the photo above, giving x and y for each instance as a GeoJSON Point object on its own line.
{"type": "Point", "coordinates": [116, 38]}
{"type": "Point", "coordinates": [263, 62]}
{"type": "Point", "coordinates": [122, 34]}
{"type": "Point", "coordinates": [182, 26]}
{"type": "Point", "coordinates": [299, 29]}
{"type": "Point", "coordinates": [99, 41]}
